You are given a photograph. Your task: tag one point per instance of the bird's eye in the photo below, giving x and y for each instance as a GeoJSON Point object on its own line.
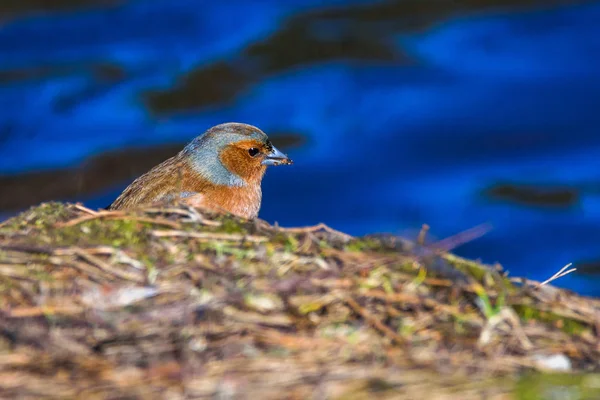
{"type": "Point", "coordinates": [253, 151]}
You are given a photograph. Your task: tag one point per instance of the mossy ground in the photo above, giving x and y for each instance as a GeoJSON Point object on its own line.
{"type": "Point", "coordinates": [175, 302]}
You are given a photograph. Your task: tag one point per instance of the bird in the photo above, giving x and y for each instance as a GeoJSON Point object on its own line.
{"type": "Point", "coordinates": [221, 169]}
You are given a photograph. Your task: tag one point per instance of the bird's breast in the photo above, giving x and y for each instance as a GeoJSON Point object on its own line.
{"type": "Point", "coordinates": [243, 201]}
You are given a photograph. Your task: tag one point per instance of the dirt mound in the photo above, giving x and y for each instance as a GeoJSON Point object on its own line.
{"type": "Point", "coordinates": [176, 302]}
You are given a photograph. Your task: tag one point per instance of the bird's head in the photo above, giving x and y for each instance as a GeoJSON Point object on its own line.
{"type": "Point", "coordinates": [233, 154]}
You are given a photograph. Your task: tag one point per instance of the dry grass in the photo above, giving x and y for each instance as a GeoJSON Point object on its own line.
{"type": "Point", "coordinates": [181, 303]}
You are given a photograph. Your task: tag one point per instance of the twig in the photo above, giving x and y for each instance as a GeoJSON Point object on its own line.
{"type": "Point", "coordinates": [14, 360]}
{"type": "Point", "coordinates": [316, 228]}
{"type": "Point", "coordinates": [557, 275]}
{"type": "Point", "coordinates": [461, 238]}
{"type": "Point", "coordinates": [377, 324]}
{"type": "Point", "coordinates": [210, 236]}
{"type": "Point", "coordinates": [100, 214]}
{"type": "Point", "coordinates": [93, 273]}
{"type": "Point", "coordinates": [81, 207]}
{"type": "Point", "coordinates": [108, 268]}
{"type": "Point", "coordinates": [26, 249]}
{"type": "Point", "coordinates": [98, 263]}
{"type": "Point", "coordinates": [190, 212]}
{"type": "Point", "coordinates": [177, 211]}
{"type": "Point", "coordinates": [441, 247]}
{"type": "Point", "coordinates": [288, 341]}
{"type": "Point", "coordinates": [10, 271]}
{"type": "Point", "coordinates": [404, 298]}
{"type": "Point", "coordinates": [118, 215]}
{"type": "Point", "coordinates": [509, 316]}
{"type": "Point", "coordinates": [26, 312]}
{"type": "Point", "coordinates": [119, 256]}
{"type": "Point", "coordinates": [422, 235]}
{"type": "Point", "coordinates": [197, 217]}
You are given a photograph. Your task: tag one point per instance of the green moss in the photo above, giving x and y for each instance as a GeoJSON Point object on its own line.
{"type": "Point", "coordinates": [307, 308]}
{"type": "Point", "coordinates": [151, 273]}
{"type": "Point", "coordinates": [230, 225]}
{"type": "Point", "coordinates": [481, 273]}
{"type": "Point", "coordinates": [291, 245]}
{"type": "Point", "coordinates": [375, 385]}
{"type": "Point", "coordinates": [40, 217]}
{"type": "Point", "coordinates": [224, 248]}
{"type": "Point", "coordinates": [50, 213]}
{"type": "Point", "coordinates": [270, 249]}
{"type": "Point", "coordinates": [43, 226]}
{"type": "Point", "coordinates": [117, 233]}
{"type": "Point", "coordinates": [405, 266]}
{"type": "Point", "coordinates": [289, 242]}
{"type": "Point", "coordinates": [364, 244]}
{"type": "Point", "coordinates": [324, 245]}
{"type": "Point", "coordinates": [473, 269]}
{"type": "Point", "coordinates": [567, 325]}
{"type": "Point", "coordinates": [558, 386]}
{"type": "Point", "coordinates": [42, 276]}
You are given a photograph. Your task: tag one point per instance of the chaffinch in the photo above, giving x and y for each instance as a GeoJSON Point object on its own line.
{"type": "Point", "coordinates": [221, 169]}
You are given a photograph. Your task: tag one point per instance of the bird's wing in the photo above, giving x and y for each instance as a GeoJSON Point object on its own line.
{"type": "Point", "coordinates": [160, 182]}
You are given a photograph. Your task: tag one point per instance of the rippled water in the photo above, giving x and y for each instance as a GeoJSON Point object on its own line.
{"type": "Point", "coordinates": [397, 113]}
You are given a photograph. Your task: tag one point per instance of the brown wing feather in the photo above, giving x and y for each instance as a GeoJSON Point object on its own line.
{"type": "Point", "coordinates": [167, 179]}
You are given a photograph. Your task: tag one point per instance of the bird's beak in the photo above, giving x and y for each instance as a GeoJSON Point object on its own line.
{"type": "Point", "coordinates": [276, 157]}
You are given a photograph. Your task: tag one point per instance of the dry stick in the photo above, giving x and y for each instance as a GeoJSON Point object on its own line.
{"type": "Point", "coordinates": [102, 250]}
{"type": "Point", "coordinates": [92, 273]}
{"type": "Point", "coordinates": [26, 312]}
{"type": "Point", "coordinates": [99, 214]}
{"type": "Point", "coordinates": [200, 217]}
{"type": "Point", "coordinates": [83, 208]}
{"type": "Point", "coordinates": [8, 271]}
{"type": "Point", "coordinates": [377, 324]}
{"type": "Point", "coordinates": [166, 211]}
{"type": "Point", "coordinates": [315, 228]}
{"type": "Point", "coordinates": [107, 270]}
{"type": "Point", "coordinates": [557, 275]}
{"type": "Point", "coordinates": [186, 202]}
{"type": "Point", "coordinates": [463, 237]}
{"type": "Point", "coordinates": [118, 215]}
{"type": "Point", "coordinates": [210, 236]}
{"type": "Point", "coordinates": [509, 316]}
{"type": "Point", "coordinates": [422, 234]}
{"type": "Point", "coordinates": [26, 249]}
{"type": "Point", "coordinates": [191, 214]}
{"type": "Point", "coordinates": [296, 342]}
{"type": "Point", "coordinates": [404, 298]}
{"type": "Point", "coordinates": [447, 244]}
{"type": "Point", "coordinates": [120, 256]}
{"type": "Point", "coordinates": [14, 360]}
{"type": "Point", "coordinates": [95, 261]}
